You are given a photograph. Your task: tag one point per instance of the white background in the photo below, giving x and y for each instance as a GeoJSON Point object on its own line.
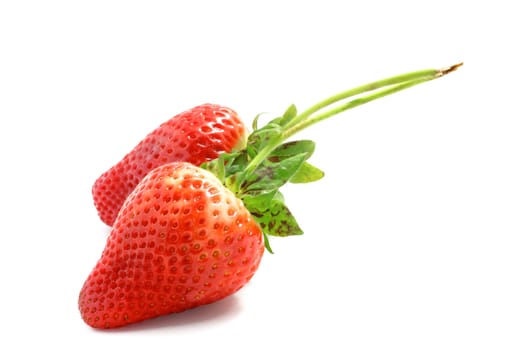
{"type": "Point", "coordinates": [415, 239]}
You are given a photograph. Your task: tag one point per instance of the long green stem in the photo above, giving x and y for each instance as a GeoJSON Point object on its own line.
{"type": "Point", "coordinates": [349, 105]}
{"type": "Point", "coordinates": [427, 73]}
{"type": "Point", "coordinates": [308, 117]}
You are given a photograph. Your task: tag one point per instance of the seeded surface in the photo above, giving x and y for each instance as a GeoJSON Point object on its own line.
{"type": "Point", "coordinates": [196, 136]}
{"type": "Point", "coordinates": [181, 240]}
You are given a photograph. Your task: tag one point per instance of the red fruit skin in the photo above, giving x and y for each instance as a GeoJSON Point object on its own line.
{"type": "Point", "coordinates": [181, 240]}
{"type": "Point", "coordinates": [195, 136]}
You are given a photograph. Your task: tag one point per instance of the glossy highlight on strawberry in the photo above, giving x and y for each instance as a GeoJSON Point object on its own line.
{"type": "Point", "coordinates": [196, 136]}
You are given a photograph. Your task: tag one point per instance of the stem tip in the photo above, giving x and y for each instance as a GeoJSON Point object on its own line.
{"type": "Point", "coordinates": [447, 70]}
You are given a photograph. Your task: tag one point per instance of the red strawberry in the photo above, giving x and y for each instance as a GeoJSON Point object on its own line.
{"type": "Point", "coordinates": [188, 236]}
{"type": "Point", "coordinates": [181, 240]}
{"type": "Point", "coordinates": [196, 136]}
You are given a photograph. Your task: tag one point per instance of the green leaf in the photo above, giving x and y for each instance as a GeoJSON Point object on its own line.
{"type": "Point", "coordinates": [262, 137]}
{"type": "Point", "coordinates": [269, 176]}
{"type": "Point", "coordinates": [274, 219]}
{"type": "Point", "coordinates": [290, 113]}
{"type": "Point", "coordinates": [261, 200]}
{"type": "Point", "coordinates": [267, 243]}
{"type": "Point", "coordinates": [292, 148]}
{"type": "Point", "coordinates": [256, 121]}
{"type": "Point", "coordinates": [215, 166]}
{"type": "Point", "coordinates": [235, 164]}
{"type": "Point", "coordinates": [307, 173]}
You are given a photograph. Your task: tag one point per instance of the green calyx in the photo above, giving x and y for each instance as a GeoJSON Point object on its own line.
{"type": "Point", "coordinates": [256, 172]}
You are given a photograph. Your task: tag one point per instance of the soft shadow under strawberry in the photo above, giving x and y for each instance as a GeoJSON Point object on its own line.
{"type": "Point", "coordinates": [209, 314]}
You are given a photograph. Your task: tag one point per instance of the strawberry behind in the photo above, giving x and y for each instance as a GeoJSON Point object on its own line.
{"type": "Point", "coordinates": [196, 136]}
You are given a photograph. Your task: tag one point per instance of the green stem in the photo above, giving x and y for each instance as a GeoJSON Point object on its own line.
{"type": "Point", "coordinates": [308, 117]}
{"type": "Point", "coordinates": [349, 105]}
{"type": "Point", "coordinates": [427, 73]}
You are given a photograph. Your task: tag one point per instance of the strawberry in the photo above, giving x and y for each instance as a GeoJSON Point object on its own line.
{"type": "Point", "coordinates": [196, 136]}
{"type": "Point", "coordinates": [188, 236]}
{"type": "Point", "coordinates": [181, 240]}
